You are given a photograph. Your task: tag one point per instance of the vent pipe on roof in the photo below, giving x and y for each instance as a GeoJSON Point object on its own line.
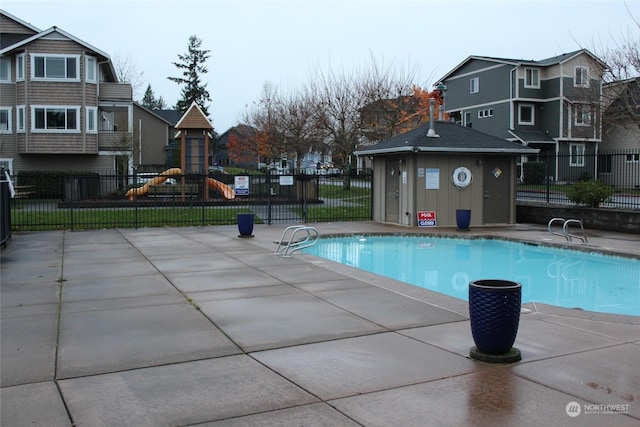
{"type": "Point", "coordinates": [432, 130]}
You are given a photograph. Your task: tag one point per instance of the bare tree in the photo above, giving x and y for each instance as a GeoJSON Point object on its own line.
{"type": "Point", "coordinates": [621, 92]}
{"type": "Point", "coordinates": [127, 71]}
{"type": "Point", "coordinates": [298, 123]}
{"type": "Point", "coordinates": [265, 116]}
{"type": "Point", "coordinates": [337, 102]}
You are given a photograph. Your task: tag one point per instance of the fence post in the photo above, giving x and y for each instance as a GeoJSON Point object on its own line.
{"type": "Point", "coordinates": [5, 208]}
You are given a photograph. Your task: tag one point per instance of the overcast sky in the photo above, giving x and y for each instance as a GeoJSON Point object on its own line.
{"type": "Point", "coordinates": [281, 42]}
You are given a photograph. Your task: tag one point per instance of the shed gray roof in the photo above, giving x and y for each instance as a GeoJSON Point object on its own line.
{"type": "Point", "coordinates": [453, 138]}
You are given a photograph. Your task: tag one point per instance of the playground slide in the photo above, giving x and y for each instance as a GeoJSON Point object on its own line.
{"type": "Point", "coordinates": [162, 177]}
{"type": "Point", "coordinates": [226, 191]}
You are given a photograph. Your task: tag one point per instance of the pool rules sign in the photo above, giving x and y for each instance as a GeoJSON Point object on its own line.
{"type": "Point", "coordinates": [426, 219]}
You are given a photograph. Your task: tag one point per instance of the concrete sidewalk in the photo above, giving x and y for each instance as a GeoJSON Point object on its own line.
{"type": "Point", "coordinates": [195, 326]}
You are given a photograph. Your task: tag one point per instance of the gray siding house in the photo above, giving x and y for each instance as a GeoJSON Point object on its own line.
{"type": "Point", "coordinates": [61, 105]}
{"type": "Point", "coordinates": [552, 105]}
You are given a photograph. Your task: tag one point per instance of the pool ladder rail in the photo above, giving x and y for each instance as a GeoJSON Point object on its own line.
{"type": "Point", "coordinates": [288, 247]}
{"type": "Point", "coordinates": [565, 229]}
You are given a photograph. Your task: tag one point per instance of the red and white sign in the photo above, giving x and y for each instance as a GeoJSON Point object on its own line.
{"type": "Point", "coordinates": [426, 219]}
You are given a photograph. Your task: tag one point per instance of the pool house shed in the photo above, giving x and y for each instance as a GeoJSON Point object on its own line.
{"type": "Point", "coordinates": [431, 175]}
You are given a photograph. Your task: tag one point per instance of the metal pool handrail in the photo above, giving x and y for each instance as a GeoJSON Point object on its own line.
{"type": "Point", "coordinates": [291, 246]}
{"type": "Point", "coordinates": [565, 230]}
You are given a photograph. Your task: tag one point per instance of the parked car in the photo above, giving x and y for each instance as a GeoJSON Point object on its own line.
{"type": "Point", "coordinates": [216, 169]}
{"type": "Point", "coordinates": [144, 178]}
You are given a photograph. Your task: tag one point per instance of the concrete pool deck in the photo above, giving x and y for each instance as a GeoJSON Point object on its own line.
{"type": "Point", "coordinates": [195, 326]}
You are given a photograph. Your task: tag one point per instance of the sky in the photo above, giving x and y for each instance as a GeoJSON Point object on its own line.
{"type": "Point", "coordinates": [284, 42]}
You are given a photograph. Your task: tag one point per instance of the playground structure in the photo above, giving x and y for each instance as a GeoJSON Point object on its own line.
{"type": "Point", "coordinates": [194, 130]}
{"type": "Point", "coordinates": [227, 192]}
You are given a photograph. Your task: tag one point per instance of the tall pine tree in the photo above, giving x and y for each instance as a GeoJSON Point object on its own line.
{"type": "Point", "coordinates": [193, 67]}
{"type": "Point", "coordinates": [151, 102]}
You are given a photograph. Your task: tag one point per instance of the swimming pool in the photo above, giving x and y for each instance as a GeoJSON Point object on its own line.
{"type": "Point", "coordinates": [549, 275]}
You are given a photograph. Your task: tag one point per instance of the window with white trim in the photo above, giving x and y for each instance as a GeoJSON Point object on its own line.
{"type": "Point", "coordinates": [20, 118]}
{"type": "Point", "coordinates": [52, 118]}
{"type": "Point", "coordinates": [532, 78]}
{"type": "Point", "coordinates": [90, 71]}
{"type": "Point", "coordinates": [5, 69]}
{"type": "Point", "coordinates": [576, 157]}
{"type": "Point", "coordinates": [633, 158]}
{"type": "Point", "coordinates": [581, 77]}
{"type": "Point", "coordinates": [474, 85]}
{"type": "Point", "coordinates": [55, 67]}
{"type": "Point", "coordinates": [20, 67]}
{"type": "Point", "coordinates": [526, 114]}
{"type": "Point", "coordinates": [92, 120]}
{"type": "Point", "coordinates": [485, 113]}
{"type": "Point", "coordinates": [5, 120]}
{"type": "Point", "coordinates": [583, 115]}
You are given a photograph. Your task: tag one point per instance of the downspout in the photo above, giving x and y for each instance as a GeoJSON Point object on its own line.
{"type": "Point", "coordinates": [513, 95]}
{"type": "Point", "coordinates": [139, 142]}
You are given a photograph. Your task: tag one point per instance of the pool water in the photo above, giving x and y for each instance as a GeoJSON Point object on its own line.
{"type": "Point", "coordinates": [560, 277]}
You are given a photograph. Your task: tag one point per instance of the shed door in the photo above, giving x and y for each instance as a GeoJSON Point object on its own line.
{"type": "Point", "coordinates": [497, 188]}
{"type": "Point", "coordinates": [392, 190]}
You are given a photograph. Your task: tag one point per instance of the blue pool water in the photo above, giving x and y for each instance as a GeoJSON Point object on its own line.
{"type": "Point", "coordinates": [555, 276]}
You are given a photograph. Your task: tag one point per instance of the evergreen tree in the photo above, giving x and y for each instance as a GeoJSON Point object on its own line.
{"type": "Point", "coordinates": [193, 67]}
{"type": "Point", "coordinates": [151, 102]}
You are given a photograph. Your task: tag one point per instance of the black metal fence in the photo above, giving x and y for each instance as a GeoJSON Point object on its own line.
{"type": "Point", "coordinates": [5, 208]}
{"type": "Point", "coordinates": [93, 200]}
{"type": "Point", "coordinates": [547, 178]}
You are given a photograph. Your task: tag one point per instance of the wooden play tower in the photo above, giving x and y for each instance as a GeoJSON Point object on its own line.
{"type": "Point", "coordinates": [194, 131]}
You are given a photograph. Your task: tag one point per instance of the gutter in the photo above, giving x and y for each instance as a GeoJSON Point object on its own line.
{"type": "Point", "coordinates": [415, 149]}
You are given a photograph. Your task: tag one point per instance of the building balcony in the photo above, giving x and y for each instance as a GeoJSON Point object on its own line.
{"type": "Point", "coordinates": [115, 92]}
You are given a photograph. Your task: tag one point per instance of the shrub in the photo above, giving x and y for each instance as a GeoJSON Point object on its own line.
{"type": "Point", "coordinates": [590, 193]}
{"type": "Point", "coordinates": [534, 172]}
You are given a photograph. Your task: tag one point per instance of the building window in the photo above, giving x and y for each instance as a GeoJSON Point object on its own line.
{"type": "Point", "coordinates": [92, 120]}
{"type": "Point", "coordinates": [532, 78]}
{"type": "Point", "coordinates": [5, 120]}
{"type": "Point", "coordinates": [20, 67]}
{"type": "Point", "coordinates": [20, 119]}
{"type": "Point", "coordinates": [583, 115]}
{"type": "Point", "coordinates": [54, 119]}
{"type": "Point", "coordinates": [467, 120]}
{"type": "Point", "coordinates": [633, 158]}
{"type": "Point", "coordinates": [581, 77]}
{"type": "Point", "coordinates": [5, 69]}
{"type": "Point", "coordinates": [525, 114]}
{"type": "Point", "coordinates": [474, 85]}
{"type": "Point", "coordinates": [576, 157]}
{"type": "Point", "coordinates": [485, 113]}
{"type": "Point", "coordinates": [90, 75]}
{"type": "Point", "coordinates": [55, 67]}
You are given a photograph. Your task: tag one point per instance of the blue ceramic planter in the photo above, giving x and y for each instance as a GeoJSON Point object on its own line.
{"type": "Point", "coordinates": [494, 313]}
{"type": "Point", "coordinates": [463, 218]}
{"type": "Point", "coordinates": [245, 224]}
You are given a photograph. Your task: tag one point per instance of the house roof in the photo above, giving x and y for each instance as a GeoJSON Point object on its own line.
{"type": "Point", "coordinates": [242, 129]}
{"type": "Point", "coordinates": [153, 113]}
{"type": "Point", "coordinates": [46, 33]}
{"type": "Point", "coordinates": [530, 136]}
{"type": "Point", "coordinates": [554, 60]}
{"type": "Point", "coordinates": [20, 21]}
{"type": "Point", "coordinates": [171, 116]}
{"type": "Point", "coordinates": [453, 138]}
